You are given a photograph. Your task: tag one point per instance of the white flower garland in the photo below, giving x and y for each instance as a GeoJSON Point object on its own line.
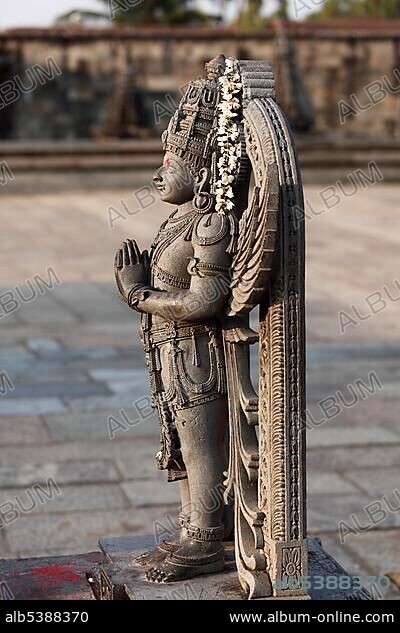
{"type": "Point", "coordinates": [228, 135]}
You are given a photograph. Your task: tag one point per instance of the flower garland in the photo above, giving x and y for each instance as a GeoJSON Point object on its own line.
{"type": "Point", "coordinates": [228, 135]}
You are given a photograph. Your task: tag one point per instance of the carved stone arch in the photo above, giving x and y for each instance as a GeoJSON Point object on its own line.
{"type": "Point", "coordinates": [266, 475]}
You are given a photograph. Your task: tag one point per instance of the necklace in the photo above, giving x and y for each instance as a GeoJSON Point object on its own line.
{"type": "Point", "coordinates": [169, 231]}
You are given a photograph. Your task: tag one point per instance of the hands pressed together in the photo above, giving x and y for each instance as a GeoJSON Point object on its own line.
{"type": "Point", "coordinates": [131, 268]}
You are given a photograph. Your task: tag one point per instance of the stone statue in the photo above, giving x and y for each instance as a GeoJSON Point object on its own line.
{"type": "Point", "coordinates": [234, 242]}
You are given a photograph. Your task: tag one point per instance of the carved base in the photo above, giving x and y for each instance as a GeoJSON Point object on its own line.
{"type": "Point", "coordinates": [120, 580]}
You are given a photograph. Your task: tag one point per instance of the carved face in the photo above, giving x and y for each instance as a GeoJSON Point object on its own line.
{"type": "Point", "coordinates": [174, 181]}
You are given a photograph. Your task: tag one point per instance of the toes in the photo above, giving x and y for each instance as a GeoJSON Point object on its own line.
{"type": "Point", "coordinates": [156, 574]}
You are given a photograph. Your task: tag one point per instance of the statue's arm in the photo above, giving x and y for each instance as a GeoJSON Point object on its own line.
{"type": "Point", "coordinates": [208, 292]}
{"type": "Point", "coordinates": [210, 269]}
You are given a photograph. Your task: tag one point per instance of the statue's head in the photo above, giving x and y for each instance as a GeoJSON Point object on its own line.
{"type": "Point", "coordinates": [190, 140]}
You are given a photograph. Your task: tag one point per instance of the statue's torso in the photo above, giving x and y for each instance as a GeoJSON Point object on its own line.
{"type": "Point", "coordinates": [170, 256]}
{"type": "Point", "coordinates": [185, 358]}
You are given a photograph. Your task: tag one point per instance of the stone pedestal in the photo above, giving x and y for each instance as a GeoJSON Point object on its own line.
{"type": "Point", "coordinates": [118, 579]}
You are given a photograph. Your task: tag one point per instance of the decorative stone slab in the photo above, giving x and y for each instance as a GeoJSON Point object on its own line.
{"type": "Point", "coordinates": [54, 578]}
{"type": "Point", "coordinates": [118, 579]}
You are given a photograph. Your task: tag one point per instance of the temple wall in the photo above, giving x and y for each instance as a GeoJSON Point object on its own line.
{"type": "Point", "coordinates": [334, 63]}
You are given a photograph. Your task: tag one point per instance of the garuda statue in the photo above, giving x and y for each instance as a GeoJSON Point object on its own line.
{"type": "Point", "coordinates": [234, 243]}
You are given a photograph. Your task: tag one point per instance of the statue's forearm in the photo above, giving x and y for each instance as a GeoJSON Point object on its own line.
{"type": "Point", "coordinates": [181, 305]}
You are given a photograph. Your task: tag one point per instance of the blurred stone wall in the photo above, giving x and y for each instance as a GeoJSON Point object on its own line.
{"type": "Point", "coordinates": [336, 61]}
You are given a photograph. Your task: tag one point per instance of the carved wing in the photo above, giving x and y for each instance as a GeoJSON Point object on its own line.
{"type": "Point", "coordinates": [265, 474]}
{"type": "Point", "coordinates": [258, 227]}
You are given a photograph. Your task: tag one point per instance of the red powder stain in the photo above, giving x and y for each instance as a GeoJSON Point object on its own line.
{"type": "Point", "coordinates": [55, 574]}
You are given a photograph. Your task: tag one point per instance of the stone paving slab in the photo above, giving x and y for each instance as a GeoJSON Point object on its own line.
{"type": "Point", "coordinates": [98, 426]}
{"type": "Point", "coordinates": [23, 430]}
{"type": "Point", "coordinates": [357, 565]}
{"type": "Point", "coordinates": [61, 472]}
{"type": "Point", "coordinates": [31, 406]}
{"type": "Point", "coordinates": [140, 451]}
{"type": "Point", "coordinates": [325, 512]}
{"type": "Point", "coordinates": [43, 345]}
{"type": "Point", "coordinates": [383, 554]}
{"type": "Point", "coordinates": [57, 390]}
{"type": "Point", "coordinates": [333, 434]}
{"type": "Point", "coordinates": [379, 481]}
{"type": "Point", "coordinates": [45, 309]}
{"type": "Point", "coordinates": [54, 578]}
{"type": "Point", "coordinates": [44, 371]}
{"type": "Point", "coordinates": [83, 498]}
{"type": "Point", "coordinates": [78, 532]}
{"type": "Point", "coordinates": [341, 458]}
{"type": "Point", "coordinates": [121, 400]}
{"type": "Point", "coordinates": [329, 483]}
{"type": "Point", "coordinates": [146, 494]}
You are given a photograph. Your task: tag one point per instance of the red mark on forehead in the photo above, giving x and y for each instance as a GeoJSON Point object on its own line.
{"type": "Point", "coordinates": [168, 162]}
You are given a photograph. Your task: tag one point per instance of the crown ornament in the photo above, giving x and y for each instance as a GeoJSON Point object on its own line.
{"type": "Point", "coordinates": [205, 129]}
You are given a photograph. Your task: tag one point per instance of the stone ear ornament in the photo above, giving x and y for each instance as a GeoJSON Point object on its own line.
{"type": "Point", "coordinates": [203, 202]}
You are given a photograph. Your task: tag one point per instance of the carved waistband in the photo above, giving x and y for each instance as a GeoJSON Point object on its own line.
{"type": "Point", "coordinates": [172, 331]}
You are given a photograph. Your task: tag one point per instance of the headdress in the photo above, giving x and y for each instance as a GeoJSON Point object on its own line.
{"type": "Point", "coordinates": [205, 131]}
{"type": "Point", "coordinates": [191, 133]}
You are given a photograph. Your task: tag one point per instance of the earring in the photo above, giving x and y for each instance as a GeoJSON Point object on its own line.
{"type": "Point", "coordinates": [203, 201]}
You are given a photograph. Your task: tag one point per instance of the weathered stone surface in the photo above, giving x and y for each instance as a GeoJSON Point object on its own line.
{"type": "Point", "coordinates": [97, 426]}
{"type": "Point", "coordinates": [4, 546]}
{"type": "Point", "coordinates": [57, 390]}
{"type": "Point", "coordinates": [140, 450]}
{"type": "Point", "coordinates": [30, 406]}
{"type": "Point", "coordinates": [341, 458]}
{"type": "Point", "coordinates": [61, 472]}
{"type": "Point", "coordinates": [329, 483]}
{"type": "Point", "coordinates": [72, 498]}
{"type": "Point", "coordinates": [381, 553]}
{"type": "Point", "coordinates": [14, 355]}
{"type": "Point", "coordinates": [23, 430]}
{"type": "Point", "coordinates": [82, 353]}
{"type": "Point", "coordinates": [127, 579]}
{"type": "Point", "coordinates": [133, 469]}
{"type": "Point", "coordinates": [120, 375]}
{"type": "Point", "coordinates": [378, 481]}
{"type": "Point", "coordinates": [326, 512]}
{"type": "Point", "coordinates": [335, 435]}
{"type": "Point", "coordinates": [45, 309]}
{"type": "Point", "coordinates": [354, 565]}
{"type": "Point", "coordinates": [380, 550]}
{"type": "Point", "coordinates": [76, 532]}
{"type": "Point", "coordinates": [42, 345]}
{"type": "Point", "coordinates": [360, 563]}
{"type": "Point", "coordinates": [60, 578]}
{"type": "Point", "coordinates": [126, 398]}
{"type": "Point", "coordinates": [151, 492]}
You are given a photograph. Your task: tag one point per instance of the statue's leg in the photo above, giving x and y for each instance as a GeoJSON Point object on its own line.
{"type": "Point", "coordinates": [201, 432]}
{"type": "Point", "coordinates": [172, 544]}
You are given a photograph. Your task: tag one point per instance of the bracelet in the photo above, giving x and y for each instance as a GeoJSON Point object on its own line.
{"type": "Point", "coordinates": [137, 293]}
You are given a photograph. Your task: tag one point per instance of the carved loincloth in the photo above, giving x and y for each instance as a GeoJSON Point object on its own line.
{"type": "Point", "coordinates": [173, 355]}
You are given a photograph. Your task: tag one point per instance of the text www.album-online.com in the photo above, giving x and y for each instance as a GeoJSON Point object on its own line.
{"type": "Point", "coordinates": [337, 617]}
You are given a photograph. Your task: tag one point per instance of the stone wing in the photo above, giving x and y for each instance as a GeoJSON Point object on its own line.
{"type": "Point", "coordinates": [258, 227]}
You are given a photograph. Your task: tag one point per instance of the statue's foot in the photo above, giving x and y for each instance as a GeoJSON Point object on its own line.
{"type": "Point", "coordinates": [156, 555]}
{"type": "Point", "coordinates": [192, 559]}
{"type": "Point", "coordinates": [164, 548]}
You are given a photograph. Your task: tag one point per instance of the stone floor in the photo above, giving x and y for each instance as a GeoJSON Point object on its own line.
{"type": "Point", "coordinates": [70, 358]}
